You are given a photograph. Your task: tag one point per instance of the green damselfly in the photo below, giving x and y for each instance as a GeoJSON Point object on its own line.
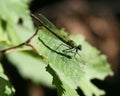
{"type": "Point", "coordinates": [55, 31]}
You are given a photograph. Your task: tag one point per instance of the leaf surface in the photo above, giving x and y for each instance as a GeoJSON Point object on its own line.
{"type": "Point", "coordinates": [75, 72]}
{"type": "Point", "coordinates": [15, 22]}
{"type": "Point", "coordinates": [31, 67]}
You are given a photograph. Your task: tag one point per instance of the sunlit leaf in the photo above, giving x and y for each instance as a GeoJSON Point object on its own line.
{"type": "Point", "coordinates": [71, 72]}
{"type": "Point", "coordinates": [15, 22]}
{"type": "Point", "coordinates": [31, 67]}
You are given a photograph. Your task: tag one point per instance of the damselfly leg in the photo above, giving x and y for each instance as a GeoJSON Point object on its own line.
{"type": "Point", "coordinates": [74, 50]}
{"type": "Point", "coordinates": [69, 49]}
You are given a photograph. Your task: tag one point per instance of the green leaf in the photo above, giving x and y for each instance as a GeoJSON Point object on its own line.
{"type": "Point", "coordinates": [71, 72]}
{"type": "Point", "coordinates": [31, 67]}
{"type": "Point", "coordinates": [96, 63]}
{"type": "Point", "coordinates": [15, 22]}
{"type": "Point", "coordinates": [63, 88]}
{"type": "Point", "coordinates": [96, 66]}
{"type": "Point", "coordinates": [6, 89]}
{"type": "Point", "coordinates": [56, 79]}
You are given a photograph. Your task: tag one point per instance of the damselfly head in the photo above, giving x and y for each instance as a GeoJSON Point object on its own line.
{"type": "Point", "coordinates": [79, 47]}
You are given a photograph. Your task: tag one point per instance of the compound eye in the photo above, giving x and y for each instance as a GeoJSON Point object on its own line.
{"type": "Point", "coordinates": [79, 47]}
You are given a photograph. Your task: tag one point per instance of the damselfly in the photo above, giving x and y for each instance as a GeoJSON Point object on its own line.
{"type": "Point", "coordinates": [72, 46]}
